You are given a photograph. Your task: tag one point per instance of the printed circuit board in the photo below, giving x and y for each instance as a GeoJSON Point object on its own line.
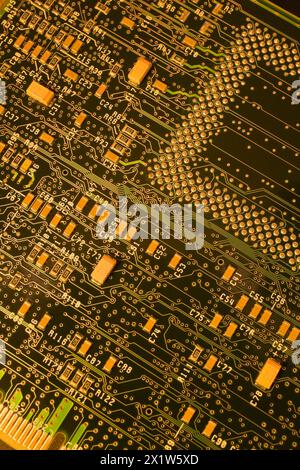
{"type": "Point", "coordinates": [138, 343]}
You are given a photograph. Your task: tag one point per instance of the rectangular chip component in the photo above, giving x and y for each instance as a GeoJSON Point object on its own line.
{"type": "Point", "coordinates": [84, 347]}
{"type": "Point", "coordinates": [56, 268]}
{"type": "Point", "coordinates": [27, 200]}
{"type": "Point", "coordinates": [154, 244]}
{"type": "Point", "coordinates": [115, 70]}
{"type": "Point", "coordinates": [18, 158]}
{"type": "Point", "coordinates": [128, 23]}
{"type": "Point", "coordinates": [66, 274]}
{"type": "Point", "coordinates": [15, 281]}
{"type": "Point", "coordinates": [67, 372]}
{"type": "Point", "coordinates": [44, 321]}
{"type": "Point", "coordinates": [76, 378]}
{"type": "Point", "coordinates": [130, 233]}
{"type": "Point", "coordinates": [94, 211]}
{"type": "Point", "coordinates": [283, 329]}
{"type": "Point", "coordinates": [51, 31]}
{"type": "Point", "coordinates": [76, 46]}
{"type": "Point", "coordinates": [103, 269]}
{"type": "Point", "coordinates": [139, 71]}
{"type": "Point", "coordinates": [48, 4]}
{"type": "Point", "coordinates": [44, 58]}
{"type": "Point", "coordinates": [46, 211]}
{"type": "Point", "coordinates": [209, 428]}
{"type": "Point", "coordinates": [42, 26]}
{"type": "Point", "coordinates": [36, 52]}
{"type": "Point", "coordinates": [25, 16]}
{"type": "Point", "coordinates": [210, 363]}
{"type": "Point", "coordinates": [111, 156]}
{"type": "Point", "coordinates": [7, 155]}
{"type": "Point", "coordinates": [81, 203]}
{"type": "Point", "coordinates": [42, 259]}
{"type": "Point", "coordinates": [130, 131]}
{"type": "Point", "coordinates": [188, 414]}
{"type": "Point", "coordinates": [216, 321]}
{"type": "Point", "coordinates": [66, 12]}
{"type": "Point", "coordinates": [230, 330]}
{"type": "Point", "coordinates": [25, 165]}
{"type": "Point", "coordinates": [40, 93]}
{"type": "Point", "coordinates": [73, 344]}
{"type": "Point", "coordinates": [71, 75]}
{"type": "Point", "coordinates": [255, 311]}
{"type": "Point", "coordinates": [55, 220]}
{"type": "Point", "coordinates": [265, 317]}
{"type": "Point", "coordinates": [175, 261]}
{"type": "Point", "coordinates": [37, 204]}
{"type": "Point", "coordinates": [53, 62]}
{"type": "Point", "coordinates": [33, 254]}
{"type": "Point", "coordinates": [190, 42]}
{"type": "Point", "coordinates": [124, 140]}
{"type": "Point", "coordinates": [80, 119]}
{"type": "Point", "coordinates": [88, 382]}
{"type": "Point", "coordinates": [121, 228]}
{"type": "Point", "coordinates": [196, 353]}
{"type": "Point", "coordinates": [19, 41]}
{"type": "Point", "coordinates": [34, 21]}
{"type": "Point", "coordinates": [268, 374]}
{"type": "Point", "coordinates": [230, 270]}
{"type": "Point", "coordinates": [104, 216]}
{"type": "Point", "coordinates": [59, 37]}
{"type": "Point", "coordinates": [293, 336]}
{"type": "Point", "coordinates": [149, 325]}
{"type": "Point", "coordinates": [69, 229]}
{"type": "Point", "coordinates": [24, 308]}
{"type": "Point", "coordinates": [100, 90]}
{"type": "Point", "coordinates": [47, 138]}
{"type": "Point", "coordinates": [111, 361]}
{"type": "Point", "coordinates": [160, 86]}
{"type": "Point", "coordinates": [242, 302]}
{"type": "Point", "coordinates": [68, 41]}
{"type": "Point", "coordinates": [27, 46]}
{"type": "Point", "coordinates": [117, 147]}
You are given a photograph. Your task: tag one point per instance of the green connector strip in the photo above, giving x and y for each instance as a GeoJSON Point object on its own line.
{"type": "Point", "coordinates": [41, 418]}
{"type": "Point", "coordinates": [200, 67]}
{"type": "Point", "coordinates": [15, 399]}
{"type": "Point", "coordinates": [78, 434]}
{"type": "Point", "coordinates": [29, 415]}
{"type": "Point", "coordinates": [183, 93]}
{"type": "Point", "coordinates": [210, 51]}
{"type": "Point", "coordinates": [59, 416]}
{"type": "Point", "coordinates": [134, 162]}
